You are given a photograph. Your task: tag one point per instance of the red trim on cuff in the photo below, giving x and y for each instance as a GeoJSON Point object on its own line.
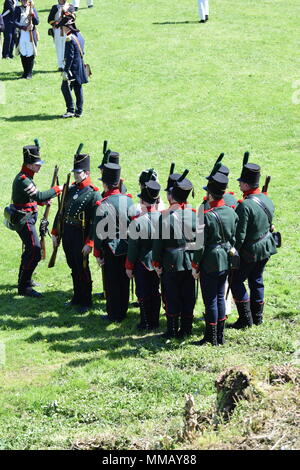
{"type": "Point", "coordinates": [195, 265]}
{"type": "Point", "coordinates": [129, 265]}
{"type": "Point", "coordinates": [57, 190]}
{"type": "Point", "coordinates": [54, 232]}
{"type": "Point", "coordinates": [156, 264]}
{"type": "Point", "coordinates": [89, 242]}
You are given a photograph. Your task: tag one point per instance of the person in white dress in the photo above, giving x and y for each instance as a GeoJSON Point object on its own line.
{"type": "Point", "coordinates": [55, 15]}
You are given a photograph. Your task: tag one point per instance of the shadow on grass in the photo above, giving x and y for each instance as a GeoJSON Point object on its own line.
{"type": "Point", "coordinates": [176, 22]}
{"type": "Point", "coordinates": [32, 117]}
{"type": "Point", "coordinates": [4, 77]}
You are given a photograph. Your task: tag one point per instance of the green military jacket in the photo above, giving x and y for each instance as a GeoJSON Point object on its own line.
{"type": "Point", "coordinates": [26, 196]}
{"type": "Point", "coordinates": [80, 208]}
{"type": "Point", "coordinates": [213, 256]}
{"type": "Point", "coordinates": [174, 240]}
{"type": "Point", "coordinates": [140, 240]}
{"type": "Point", "coordinates": [111, 223]}
{"type": "Point", "coordinates": [254, 240]}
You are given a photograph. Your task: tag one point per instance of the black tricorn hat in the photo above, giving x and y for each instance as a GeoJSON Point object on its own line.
{"type": "Point", "coordinates": [147, 175]}
{"type": "Point", "coordinates": [109, 157]}
{"type": "Point", "coordinates": [250, 174]}
{"type": "Point", "coordinates": [68, 20]}
{"type": "Point", "coordinates": [217, 184]}
{"type": "Point", "coordinates": [150, 192]}
{"type": "Point", "coordinates": [181, 188]}
{"type": "Point", "coordinates": [81, 162]}
{"type": "Point", "coordinates": [111, 173]}
{"type": "Point", "coordinates": [31, 154]}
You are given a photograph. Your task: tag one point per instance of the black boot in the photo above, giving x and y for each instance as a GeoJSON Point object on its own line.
{"type": "Point", "coordinates": [257, 312]}
{"type": "Point", "coordinates": [172, 328]}
{"type": "Point", "coordinates": [220, 332]}
{"type": "Point", "coordinates": [186, 326]}
{"type": "Point", "coordinates": [206, 17]}
{"type": "Point", "coordinates": [30, 62]}
{"type": "Point", "coordinates": [143, 325]}
{"type": "Point", "coordinates": [24, 288]}
{"type": "Point", "coordinates": [210, 335]}
{"type": "Point", "coordinates": [245, 317]}
{"type": "Point", "coordinates": [24, 65]}
{"type": "Point", "coordinates": [153, 312]}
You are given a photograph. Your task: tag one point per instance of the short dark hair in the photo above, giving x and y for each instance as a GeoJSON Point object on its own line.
{"type": "Point", "coordinates": [216, 197]}
{"type": "Point", "coordinates": [112, 186]}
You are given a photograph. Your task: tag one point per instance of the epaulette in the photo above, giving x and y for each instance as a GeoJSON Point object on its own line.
{"type": "Point", "coordinates": [230, 192]}
{"type": "Point", "coordinates": [97, 203]}
{"type": "Point", "coordinates": [129, 195]}
{"type": "Point", "coordinates": [240, 201]}
{"type": "Point", "coordinates": [94, 187]}
{"type": "Point", "coordinates": [23, 177]}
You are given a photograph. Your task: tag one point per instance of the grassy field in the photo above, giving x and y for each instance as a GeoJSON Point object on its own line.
{"type": "Point", "coordinates": [164, 88]}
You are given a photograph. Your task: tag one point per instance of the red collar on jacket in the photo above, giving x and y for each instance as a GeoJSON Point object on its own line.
{"type": "Point", "coordinates": [83, 184]}
{"type": "Point", "coordinates": [251, 191]}
{"type": "Point", "coordinates": [179, 205]}
{"type": "Point", "coordinates": [27, 171]}
{"type": "Point", "coordinates": [219, 203]}
{"type": "Point", "coordinates": [152, 209]}
{"type": "Point", "coordinates": [111, 192]}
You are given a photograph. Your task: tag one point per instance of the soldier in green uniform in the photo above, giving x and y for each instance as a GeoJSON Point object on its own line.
{"type": "Point", "coordinates": [228, 196]}
{"type": "Point", "coordinates": [110, 242]}
{"type": "Point", "coordinates": [211, 261]}
{"type": "Point", "coordinates": [172, 253]}
{"type": "Point", "coordinates": [23, 210]}
{"type": "Point", "coordinates": [139, 257]}
{"type": "Point", "coordinates": [255, 244]}
{"type": "Point", "coordinates": [77, 231]}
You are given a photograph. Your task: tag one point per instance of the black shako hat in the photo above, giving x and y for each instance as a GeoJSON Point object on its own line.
{"type": "Point", "coordinates": [111, 173]}
{"type": "Point", "coordinates": [150, 192]}
{"type": "Point", "coordinates": [172, 177]}
{"type": "Point", "coordinates": [181, 188]}
{"type": "Point", "coordinates": [109, 157]}
{"type": "Point", "coordinates": [217, 184]}
{"type": "Point", "coordinates": [147, 175]}
{"type": "Point", "coordinates": [68, 20]}
{"type": "Point", "coordinates": [218, 167]}
{"type": "Point", "coordinates": [250, 172]}
{"type": "Point", "coordinates": [31, 154]}
{"type": "Point", "coordinates": [81, 162]}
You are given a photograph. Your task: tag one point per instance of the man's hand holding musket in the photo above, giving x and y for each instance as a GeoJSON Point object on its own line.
{"type": "Point", "coordinates": [44, 222]}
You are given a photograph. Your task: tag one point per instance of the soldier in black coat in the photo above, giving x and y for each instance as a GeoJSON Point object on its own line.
{"type": "Point", "coordinates": [8, 19]}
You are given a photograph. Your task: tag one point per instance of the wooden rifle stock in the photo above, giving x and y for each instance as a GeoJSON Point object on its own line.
{"type": "Point", "coordinates": [46, 215]}
{"type": "Point", "coordinates": [60, 221]}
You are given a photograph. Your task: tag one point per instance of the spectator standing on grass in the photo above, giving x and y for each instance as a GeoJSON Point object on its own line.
{"type": "Point", "coordinates": [76, 4]}
{"type": "Point", "coordinates": [26, 18]}
{"type": "Point", "coordinates": [8, 19]}
{"type": "Point", "coordinates": [203, 7]}
{"type": "Point", "coordinates": [74, 75]}
{"type": "Point", "coordinates": [59, 37]}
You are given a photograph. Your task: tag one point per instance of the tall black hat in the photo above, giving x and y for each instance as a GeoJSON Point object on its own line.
{"type": "Point", "coordinates": [218, 167]}
{"type": "Point", "coordinates": [172, 177]}
{"type": "Point", "coordinates": [181, 188]}
{"type": "Point", "coordinates": [68, 20]}
{"type": "Point", "coordinates": [109, 157]}
{"type": "Point", "coordinates": [147, 175]}
{"type": "Point", "coordinates": [31, 154]}
{"type": "Point", "coordinates": [150, 192]}
{"type": "Point", "coordinates": [250, 172]}
{"type": "Point", "coordinates": [81, 162]}
{"type": "Point", "coordinates": [111, 173]}
{"type": "Point", "coordinates": [217, 184]}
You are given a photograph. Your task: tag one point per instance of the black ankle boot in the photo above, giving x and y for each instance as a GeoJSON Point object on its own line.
{"type": "Point", "coordinates": [172, 328]}
{"type": "Point", "coordinates": [24, 287]}
{"type": "Point", "coordinates": [220, 332]}
{"type": "Point", "coordinates": [245, 317]}
{"type": "Point", "coordinates": [257, 312]}
{"type": "Point", "coordinates": [210, 335]}
{"type": "Point", "coordinates": [186, 327]}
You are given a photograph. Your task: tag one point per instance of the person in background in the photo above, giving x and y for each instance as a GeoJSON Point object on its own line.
{"type": "Point", "coordinates": [8, 19]}
{"type": "Point", "coordinates": [76, 4]}
{"type": "Point", "coordinates": [55, 15]}
{"type": "Point", "coordinates": [203, 7]}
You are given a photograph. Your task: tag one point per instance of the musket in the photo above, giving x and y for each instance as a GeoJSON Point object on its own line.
{"type": "Point", "coordinates": [103, 282]}
{"type": "Point", "coordinates": [31, 28]}
{"type": "Point", "coordinates": [44, 220]}
{"type": "Point", "coordinates": [81, 217]}
{"type": "Point", "coordinates": [266, 185]}
{"type": "Point", "coordinates": [132, 288]}
{"type": "Point", "coordinates": [60, 221]}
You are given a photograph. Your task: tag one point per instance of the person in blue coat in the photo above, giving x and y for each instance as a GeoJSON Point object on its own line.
{"type": "Point", "coordinates": [74, 72]}
{"type": "Point", "coordinates": [8, 19]}
{"type": "Point", "coordinates": [26, 18]}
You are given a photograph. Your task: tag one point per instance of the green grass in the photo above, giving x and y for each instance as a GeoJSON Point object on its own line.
{"type": "Point", "coordinates": [160, 92]}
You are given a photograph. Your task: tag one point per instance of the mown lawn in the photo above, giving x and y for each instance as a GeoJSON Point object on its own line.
{"type": "Point", "coordinates": [164, 88]}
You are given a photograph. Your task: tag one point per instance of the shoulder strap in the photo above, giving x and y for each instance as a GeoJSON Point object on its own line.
{"type": "Point", "coordinates": [78, 44]}
{"type": "Point", "coordinates": [218, 218]}
{"type": "Point", "coordinates": [263, 206]}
